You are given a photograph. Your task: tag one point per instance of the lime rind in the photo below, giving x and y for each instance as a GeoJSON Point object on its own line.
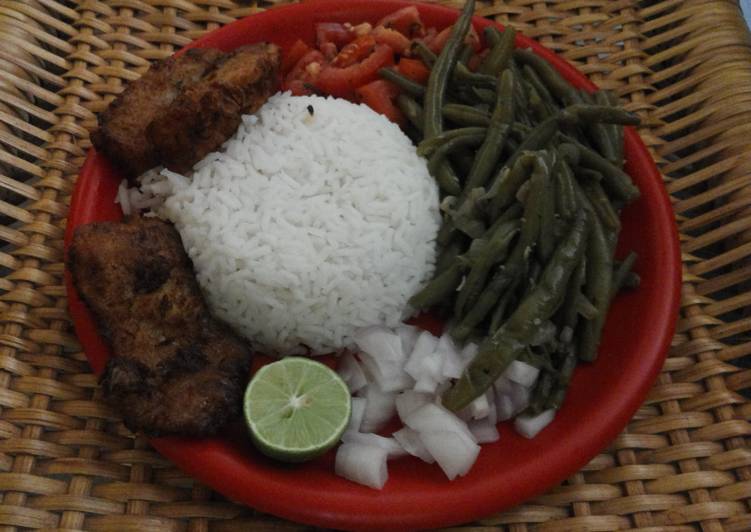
{"type": "Point", "coordinates": [296, 409]}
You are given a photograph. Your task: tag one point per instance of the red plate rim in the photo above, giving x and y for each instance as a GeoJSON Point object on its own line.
{"type": "Point", "coordinates": [271, 488]}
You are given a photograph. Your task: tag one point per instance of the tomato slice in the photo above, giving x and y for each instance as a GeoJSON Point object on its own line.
{"type": "Point", "coordinates": [333, 32]}
{"type": "Point", "coordinates": [397, 41]}
{"type": "Point", "coordinates": [304, 73]}
{"type": "Point", "coordinates": [379, 95]}
{"type": "Point", "coordinates": [413, 69]}
{"type": "Point", "coordinates": [355, 51]}
{"type": "Point", "coordinates": [406, 21]}
{"type": "Point", "coordinates": [295, 53]}
{"type": "Point", "coordinates": [342, 82]}
{"type": "Point", "coordinates": [439, 41]}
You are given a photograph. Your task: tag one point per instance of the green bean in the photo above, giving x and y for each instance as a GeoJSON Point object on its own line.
{"type": "Point", "coordinates": [585, 308]}
{"type": "Point", "coordinates": [440, 288]}
{"type": "Point", "coordinates": [490, 151]}
{"type": "Point", "coordinates": [632, 280]}
{"type": "Point", "coordinates": [616, 181]}
{"type": "Point", "coordinates": [617, 131]}
{"type": "Point", "coordinates": [465, 115]}
{"type": "Point", "coordinates": [506, 344]}
{"type": "Point", "coordinates": [484, 95]}
{"type": "Point", "coordinates": [463, 159]}
{"type": "Point", "coordinates": [492, 36]}
{"type": "Point", "coordinates": [541, 393]}
{"type": "Point", "coordinates": [598, 284]}
{"type": "Point", "coordinates": [464, 54]}
{"type": "Point", "coordinates": [426, 54]}
{"type": "Point", "coordinates": [535, 81]}
{"type": "Point", "coordinates": [428, 146]}
{"type": "Point", "coordinates": [547, 238]}
{"type": "Point", "coordinates": [407, 85]}
{"type": "Point", "coordinates": [493, 251]}
{"type": "Point", "coordinates": [463, 74]}
{"type": "Point", "coordinates": [466, 218]}
{"type": "Point", "coordinates": [435, 92]}
{"type": "Point", "coordinates": [450, 146]}
{"type": "Point", "coordinates": [503, 190]}
{"type": "Point", "coordinates": [621, 273]}
{"type": "Point", "coordinates": [500, 313]}
{"type": "Point", "coordinates": [540, 111]}
{"type": "Point", "coordinates": [569, 315]}
{"type": "Point", "coordinates": [411, 109]}
{"type": "Point", "coordinates": [565, 194]}
{"type": "Point", "coordinates": [549, 293]}
{"type": "Point", "coordinates": [601, 204]}
{"type": "Point", "coordinates": [587, 113]}
{"type": "Point", "coordinates": [563, 378]}
{"type": "Point", "coordinates": [558, 87]}
{"type": "Point", "coordinates": [500, 53]}
{"type": "Point", "coordinates": [587, 174]}
{"type": "Point", "coordinates": [448, 255]}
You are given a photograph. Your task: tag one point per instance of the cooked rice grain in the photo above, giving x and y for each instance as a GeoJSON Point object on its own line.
{"type": "Point", "coordinates": [305, 228]}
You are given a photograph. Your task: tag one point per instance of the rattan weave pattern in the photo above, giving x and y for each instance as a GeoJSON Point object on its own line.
{"type": "Point", "coordinates": [682, 464]}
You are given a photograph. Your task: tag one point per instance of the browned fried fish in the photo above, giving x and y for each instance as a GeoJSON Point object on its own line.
{"type": "Point", "coordinates": [174, 369]}
{"type": "Point", "coordinates": [208, 112]}
{"type": "Point", "coordinates": [122, 126]}
{"type": "Point", "coordinates": [185, 107]}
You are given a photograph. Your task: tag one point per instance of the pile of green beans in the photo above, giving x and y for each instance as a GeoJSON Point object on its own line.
{"type": "Point", "coordinates": [532, 182]}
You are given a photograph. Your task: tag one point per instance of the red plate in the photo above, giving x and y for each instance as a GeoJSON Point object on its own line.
{"type": "Point", "coordinates": [602, 398]}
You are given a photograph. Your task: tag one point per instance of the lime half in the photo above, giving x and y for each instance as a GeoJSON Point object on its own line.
{"type": "Point", "coordinates": [296, 409]}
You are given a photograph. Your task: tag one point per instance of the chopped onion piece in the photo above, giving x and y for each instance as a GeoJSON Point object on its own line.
{"type": "Point", "coordinates": [518, 394]}
{"type": "Point", "coordinates": [479, 408]}
{"type": "Point", "coordinates": [351, 373]}
{"type": "Point", "coordinates": [408, 401]}
{"type": "Point", "coordinates": [422, 359]}
{"type": "Point", "coordinates": [408, 335]}
{"type": "Point", "coordinates": [454, 454]}
{"type": "Point", "coordinates": [522, 373]}
{"type": "Point", "coordinates": [392, 447]}
{"type": "Point", "coordinates": [364, 464]}
{"type": "Point", "coordinates": [483, 430]}
{"type": "Point", "coordinates": [530, 426]}
{"type": "Point", "coordinates": [379, 408]}
{"type": "Point", "coordinates": [383, 357]}
{"type": "Point", "coordinates": [469, 352]}
{"type": "Point", "coordinates": [426, 384]}
{"type": "Point", "coordinates": [358, 410]}
{"type": "Point", "coordinates": [492, 416]}
{"type": "Point", "coordinates": [432, 417]}
{"type": "Point", "coordinates": [411, 442]}
{"type": "Point", "coordinates": [504, 407]}
{"type": "Point", "coordinates": [389, 376]}
{"type": "Point", "coordinates": [453, 364]}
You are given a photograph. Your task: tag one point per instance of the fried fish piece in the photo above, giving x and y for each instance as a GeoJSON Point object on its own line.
{"type": "Point", "coordinates": [208, 112]}
{"type": "Point", "coordinates": [175, 369]}
{"type": "Point", "coordinates": [122, 126]}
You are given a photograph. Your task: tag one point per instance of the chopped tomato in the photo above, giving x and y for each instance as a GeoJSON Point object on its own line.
{"type": "Point", "coordinates": [329, 51]}
{"type": "Point", "coordinates": [298, 50]}
{"type": "Point", "coordinates": [406, 21]}
{"type": "Point", "coordinates": [333, 32]}
{"type": "Point", "coordinates": [355, 51]}
{"type": "Point", "coordinates": [342, 82]}
{"type": "Point", "coordinates": [413, 69]}
{"type": "Point", "coordinates": [379, 95]}
{"type": "Point", "coordinates": [304, 73]}
{"type": "Point", "coordinates": [398, 42]}
{"type": "Point", "coordinates": [436, 44]}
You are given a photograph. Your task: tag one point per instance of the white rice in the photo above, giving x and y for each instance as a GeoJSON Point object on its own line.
{"type": "Point", "coordinates": [305, 227]}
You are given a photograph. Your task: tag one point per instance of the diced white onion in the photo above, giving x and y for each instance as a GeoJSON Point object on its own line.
{"type": "Point", "coordinates": [364, 464]}
{"type": "Point", "coordinates": [454, 453]}
{"type": "Point", "coordinates": [469, 352]}
{"type": "Point", "coordinates": [479, 408]}
{"type": "Point", "coordinates": [419, 358]}
{"type": "Point", "coordinates": [357, 412]}
{"type": "Point", "coordinates": [351, 373]}
{"type": "Point", "coordinates": [411, 442]}
{"type": "Point", "coordinates": [453, 364]}
{"type": "Point", "coordinates": [390, 445]}
{"type": "Point", "coordinates": [432, 417]}
{"type": "Point", "coordinates": [483, 430]}
{"type": "Point", "coordinates": [522, 373]}
{"type": "Point", "coordinates": [408, 335]}
{"type": "Point", "coordinates": [383, 357]}
{"type": "Point", "coordinates": [530, 426]}
{"type": "Point", "coordinates": [408, 401]}
{"type": "Point", "coordinates": [379, 408]}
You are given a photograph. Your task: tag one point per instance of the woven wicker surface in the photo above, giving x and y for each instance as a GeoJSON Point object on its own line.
{"type": "Point", "coordinates": [683, 463]}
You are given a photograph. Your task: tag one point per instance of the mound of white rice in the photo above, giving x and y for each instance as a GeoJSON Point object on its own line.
{"type": "Point", "coordinates": [317, 218]}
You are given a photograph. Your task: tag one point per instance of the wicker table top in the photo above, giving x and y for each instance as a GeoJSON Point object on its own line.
{"type": "Point", "coordinates": [682, 464]}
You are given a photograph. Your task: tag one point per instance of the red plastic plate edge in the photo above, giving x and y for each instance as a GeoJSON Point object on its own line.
{"type": "Point", "coordinates": [184, 452]}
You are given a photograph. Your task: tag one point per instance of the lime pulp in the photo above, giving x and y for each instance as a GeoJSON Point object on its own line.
{"type": "Point", "coordinates": [296, 409]}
